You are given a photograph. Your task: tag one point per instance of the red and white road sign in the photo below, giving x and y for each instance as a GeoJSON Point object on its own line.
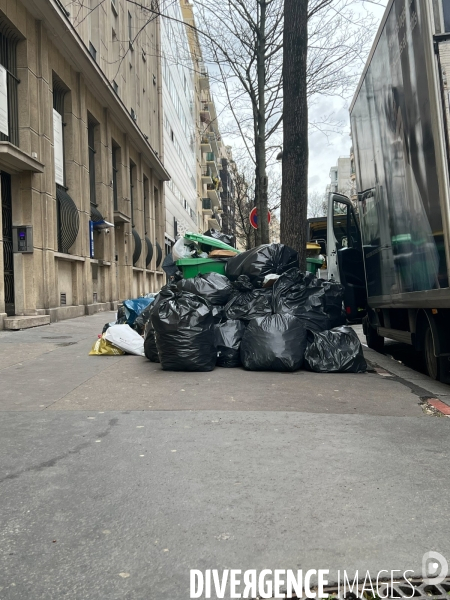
{"type": "Point", "coordinates": [254, 217]}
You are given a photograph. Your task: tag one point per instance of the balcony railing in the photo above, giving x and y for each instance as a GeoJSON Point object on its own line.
{"type": "Point", "coordinates": [206, 204]}
{"type": "Point", "coordinates": [203, 79]}
{"type": "Point", "coordinates": [206, 172]}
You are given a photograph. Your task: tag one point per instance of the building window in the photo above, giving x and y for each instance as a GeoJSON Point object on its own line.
{"type": "Point", "coordinates": [59, 92]}
{"type": "Point", "coordinates": [91, 149]}
{"type": "Point", "coordinates": [67, 216]}
{"type": "Point", "coordinates": [115, 152]}
{"type": "Point", "coordinates": [130, 30]}
{"type": "Point", "coordinates": [446, 13]}
{"type": "Point", "coordinates": [132, 170]}
{"type": "Point", "coordinates": [10, 130]}
{"type": "Point", "coordinates": [146, 207]}
{"type": "Point", "coordinates": [92, 51]}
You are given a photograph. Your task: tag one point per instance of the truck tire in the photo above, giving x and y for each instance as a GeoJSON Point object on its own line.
{"type": "Point", "coordinates": [374, 341]}
{"type": "Point", "coordinates": [431, 361]}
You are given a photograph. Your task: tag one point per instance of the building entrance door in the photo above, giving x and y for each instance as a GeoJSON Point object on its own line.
{"type": "Point", "coordinates": [8, 263]}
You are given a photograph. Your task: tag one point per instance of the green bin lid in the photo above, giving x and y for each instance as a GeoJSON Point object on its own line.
{"type": "Point", "coordinates": [209, 241]}
{"type": "Point", "coordinates": [315, 261]}
{"type": "Point", "coordinates": [198, 261]}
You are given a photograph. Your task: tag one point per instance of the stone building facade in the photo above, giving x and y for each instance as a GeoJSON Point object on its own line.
{"type": "Point", "coordinates": [81, 158]}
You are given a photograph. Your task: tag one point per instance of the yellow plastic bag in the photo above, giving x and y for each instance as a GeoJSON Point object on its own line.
{"type": "Point", "coordinates": [104, 348]}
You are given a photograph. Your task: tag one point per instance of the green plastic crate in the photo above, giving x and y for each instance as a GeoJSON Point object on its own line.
{"type": "Point", "coordinates": [191, 267]}
{"type": "Point", "coordinates": [313, 265]}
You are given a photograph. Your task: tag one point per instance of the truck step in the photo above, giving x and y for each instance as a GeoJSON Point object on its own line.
{"type": "Point", "coordinates": [396, 334]}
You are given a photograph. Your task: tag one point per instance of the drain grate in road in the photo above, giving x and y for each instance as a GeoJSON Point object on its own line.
{"type": "Point", "coordinates": [415, 588]}
{"type": "Point", "coordinates": [56, 337]}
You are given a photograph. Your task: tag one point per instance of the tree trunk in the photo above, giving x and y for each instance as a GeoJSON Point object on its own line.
{"type": "Point", "coordinates": [261, 200]}
{"type": "Point", "coordinates": [294, 195]}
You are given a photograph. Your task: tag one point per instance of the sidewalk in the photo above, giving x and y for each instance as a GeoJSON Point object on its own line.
{"type": "Point", "coordinates": [117, 477]}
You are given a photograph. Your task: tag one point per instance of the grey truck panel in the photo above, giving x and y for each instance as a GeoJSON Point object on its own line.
{"type": "Point", "coordinates": [398, 160]}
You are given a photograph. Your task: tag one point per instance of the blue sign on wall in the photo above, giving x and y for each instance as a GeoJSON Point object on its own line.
{"type": "Point", "coordinates": [91, 239]}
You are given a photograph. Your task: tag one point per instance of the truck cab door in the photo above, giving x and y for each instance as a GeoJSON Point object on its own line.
{"type": "Point", "coordinates": [345, 254]}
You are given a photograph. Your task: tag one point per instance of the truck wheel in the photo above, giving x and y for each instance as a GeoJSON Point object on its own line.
{"type": "Point", "coordinates": [374, 341]}
{"type": "Point", "coordinates": [431, 361]}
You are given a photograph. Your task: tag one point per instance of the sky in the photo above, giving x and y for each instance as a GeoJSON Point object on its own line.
{"type": "Point", "coordinates": [323, 151]}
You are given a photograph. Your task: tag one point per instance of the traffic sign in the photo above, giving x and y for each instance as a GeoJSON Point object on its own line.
{"type": "Point", "coordinates": [254, 217]}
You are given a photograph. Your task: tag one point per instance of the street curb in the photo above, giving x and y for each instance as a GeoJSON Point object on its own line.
{"type": "Point", "coordinates": [440, 406]}
{"type": "Point", "coordinates": [423, 394]}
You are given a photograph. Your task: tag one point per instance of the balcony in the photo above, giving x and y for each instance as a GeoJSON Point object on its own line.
{"type": "Point", "coordinates": [206, 175]}
{"type": "Point", "coordinates": [207, 206]}
{"type": "Point", "coordinates": [215, 222]}
{"type": "Point", "coordinates": [211, 162]}
{"type": "Point", "coordinates": [213, 194]}
{"type": "Point", "coordinates": [205, 115]}
{"type": "Point", "coordinates": [205, 144]}
{"type": "Point", "coordinates": [214, 142]}
{"type": "Point", "coordinates": [203, 80]}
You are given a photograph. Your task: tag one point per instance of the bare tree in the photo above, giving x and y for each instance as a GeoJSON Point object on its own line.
{"type": "Point", "coordinates": [242, 202]}
{"type": "Point", "coordinates": [323, 42]}
{"type": "Point", "coordinates": [317, 204]}
{"type": "Point", "coordinates": [244, 41]}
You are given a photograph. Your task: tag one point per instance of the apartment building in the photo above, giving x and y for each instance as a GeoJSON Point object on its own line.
{"type": "Point", "coordinates": [340, 177]}
{"type": "Point", "coordinates": [179, 117]}
{"type": "Point", "coordinates": [208, 141]}
{"type": "Point", "coordinates": [81, 150]}
{"type": "Point", "coordinates": [228, 176]}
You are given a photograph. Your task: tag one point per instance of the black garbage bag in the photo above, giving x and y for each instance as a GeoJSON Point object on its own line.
{"type": "Point", "coordinates": [261, 261]}
{"type": "Point", "coordinates": [184, 331]}
{"type": "Point", "coordinates": [336, 351]}
{"type": "Point", "coordinates": [218, 235]}
{"type": "Point", "coordinates": [121, 316]}
{"type": "Point", "coordinates": [214, 287]}
{"type": "Point", "coordinates": [150, 349]}
{"type": "Point", "coordinates": [142, 319]}
{"type": "Point", "coordinates": [249, 305]}
{"type": "Point", "coordinates": [218, 313]}
{"type": "Point", "coordinates": [169, 266]}
{"type": "Point", "coordinates": [274, 343]}
{"type": "Point", "coordinates": [243, 284]}
{"type": "Point", "coordinates": [315, 301]}
{"type": "Point", "coordinates": [228, 337]}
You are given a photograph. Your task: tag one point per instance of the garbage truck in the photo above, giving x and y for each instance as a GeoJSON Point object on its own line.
{"type": "Point", "coordinates": [390, 246]}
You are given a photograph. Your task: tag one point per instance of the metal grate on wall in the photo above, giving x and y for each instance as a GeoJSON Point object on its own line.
{"type": "Point", "coordinates": [159, 254]}
{"type": "Point", "coordinates": [137, 246]}
{"type": "Point", "coordinates": [149, 256]}
{"type": "Point", "coordinates": [68, 220]}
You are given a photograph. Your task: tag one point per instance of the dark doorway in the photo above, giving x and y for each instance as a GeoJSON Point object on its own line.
{"type": "Point", "coordinates": [8, 263]}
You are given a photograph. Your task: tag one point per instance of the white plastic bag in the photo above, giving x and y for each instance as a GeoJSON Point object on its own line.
{"type": "Point", "coordinates": [125, 338]}
{"type": "Point", "coordinates": [182, 249]}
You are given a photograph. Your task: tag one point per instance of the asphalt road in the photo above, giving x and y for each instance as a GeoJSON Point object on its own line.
{"type": "Point", "coordinates": [118, 478]}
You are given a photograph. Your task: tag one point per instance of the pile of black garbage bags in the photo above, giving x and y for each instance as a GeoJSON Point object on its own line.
{"type": "Point", "coordinates": [231, 321]}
